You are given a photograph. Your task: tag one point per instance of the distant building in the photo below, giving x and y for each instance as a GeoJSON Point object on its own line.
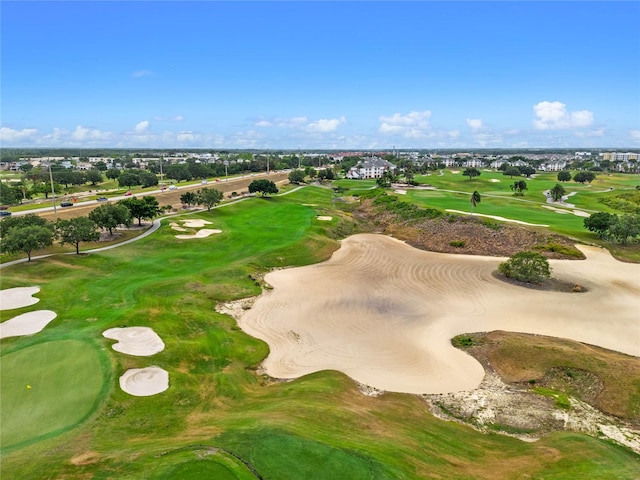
{"type": "Point", "coordinates": [372, 167]}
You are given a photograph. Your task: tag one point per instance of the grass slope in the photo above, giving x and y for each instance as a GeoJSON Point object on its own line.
{"type": "Point", "coordinates": [318, 426]}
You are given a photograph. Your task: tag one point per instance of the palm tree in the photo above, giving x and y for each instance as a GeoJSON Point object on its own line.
{"type": "Point", "coordinates": [475, 199]}
{"type": "Point", "coordinates": [557, 192]}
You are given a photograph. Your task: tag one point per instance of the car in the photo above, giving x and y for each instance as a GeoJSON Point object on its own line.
{"type": "Point", "coordinates": [102, 199]}
{"type": "Point", "coordinates": [66, 204]}
{"type": "Point", "coordinates": [128, 194]}
{"type": "Point", "coordinates": [4, 213]}
{"type": "Point", "coordinates": [172, 187]}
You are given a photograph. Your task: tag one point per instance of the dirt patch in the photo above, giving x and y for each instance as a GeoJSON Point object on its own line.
{"type": "Point", "coordinates": [86, 458]}
{"type": "Point", "coordinates": [469, 235]}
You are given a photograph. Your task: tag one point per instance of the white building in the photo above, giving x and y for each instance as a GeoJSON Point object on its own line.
{"type": "Point", "coordinates": [372, 167]}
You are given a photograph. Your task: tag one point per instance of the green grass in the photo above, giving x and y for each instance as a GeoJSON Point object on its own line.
{"type": "Point", "coordinates": [318, 426]}
{"type": "Point", "coordinates": [48, 388]}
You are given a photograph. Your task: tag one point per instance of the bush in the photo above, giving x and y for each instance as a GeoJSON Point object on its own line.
{"type": "Point", "coordinates": [457, 243]}
{"type": "Point", "coordinates": [559, 248]}
{"type": "Point", "coordinates": [530, 267]}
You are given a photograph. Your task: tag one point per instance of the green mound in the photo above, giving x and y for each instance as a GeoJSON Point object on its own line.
{"type": "Point", "coordinates": [48, 388]}
{"type": "Point", "coordinates": [282, 456]}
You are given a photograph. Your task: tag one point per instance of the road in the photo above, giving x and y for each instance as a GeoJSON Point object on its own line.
{"type": "Point", "coordinates": [168, 197]}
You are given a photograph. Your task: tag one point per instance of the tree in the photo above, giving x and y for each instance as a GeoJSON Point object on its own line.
{"type": "Point", "coordinates": [564, 176]}
{"type": "Point", "coordinates": [142, 208]}
{"type": "Point", "coordinates": [76, 230]}
{"type": "Point", "coordinates": [512, 172]}
{"type": "Point", "coordinates": [263, 186]}
{"type": "Point", "coordinates": [557, 192]}
{"type": "Point", "coordinates": [113, 173]}
{"type": "Point", "coordinates": [475, 200]}
{"type": "Point", "coordinates": [526, 170]}
{"type": "Point", "coordinates": [296, 176]}
{"type": "Point", "coordinates": [26, 239]}
{"type": "Point", "coordinates": [518, 187]}
{"type": "Point", "coordinates": [31, 219]}
{"type": "Point", "coordinates": [189, 198]}
{"type": "Point", "coordinates": [471, 172]}
{"type": "Point", "coordinates": [148, 179]}
{"type": "Point", "coordinates": [599, 223]}
{"type": "Point", "coordinates": [111, 215]}
{"type": "Point", "coordinates": [209, 197]}
{"type": "Point", "coordinates": [326, 174]}
{"type": "Point", "coordinates": [179, 172]}
{"type": "Point", "coordinates": [128, 179]}
{"type": "Point", "coordinates": [94, 176]}
{"type": "Point", "coordinates": [582, 177]}
{"type": "Point", "coordinates": [530, 267]}
{"type": "Point", "coordinates": [626, 228]}
{"type": "Point", "coordinates": [9, 195]}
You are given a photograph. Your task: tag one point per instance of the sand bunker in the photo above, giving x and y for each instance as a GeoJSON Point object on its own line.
{"type": "Point", "coordinates": [195, 223]}
{"type": "Point", "coordinates": [577, 213]}
{"type": "Point", "coordinates": [144, 382]}
{"type": "Point", "coordinates": [495, 217]}
{"type": "Point", "coordinates": [26, 324]}
{"type": "Point", "coordinates": [140, 341]}
{"type": "Point", "coordinates": [401, 192]}
{"type": "Point", "coordinates": [324, 218]}
{"type": "Point", "coordinates": [177, 227]}
{"type": "Point", "coordinates": [494, 180]}
{"type": "Point", "coordinates": [204, 233]}
{"type": "Point", "coordinates": [383, 313]}
{"type": "Point", "coordinates": [18, 297]}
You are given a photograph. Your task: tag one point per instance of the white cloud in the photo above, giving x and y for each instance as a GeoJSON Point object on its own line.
{"type": "Point", "coordinates": [412, 125]}
{"type": "Point", "coordinates": [9, 135]}
{"type": "Point", "coordinates": [324, 125]}
{"type": "Point", "coordinates": [292, 122]}
{"type": "Point", "coordinates": [83, 133]}
{"type": "Point", "coordinates": [554, 116]}
{"type": "Point", "coordinates": [164, 118]}
{"type": "Point", "coordinates": [142, 126]}
{"type": "Point", "coordinates": [635, 135]}
{"type": "Point", "coordinates": [142, 73]}
{"type": "Point", "coordinates": [474, 123]}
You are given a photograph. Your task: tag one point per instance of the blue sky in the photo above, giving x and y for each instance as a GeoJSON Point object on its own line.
{"type": "Point", "coordinates": [320, 75]}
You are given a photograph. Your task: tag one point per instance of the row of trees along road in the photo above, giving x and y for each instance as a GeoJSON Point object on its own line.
{"type": "Point", "coordinates": [30, 232]}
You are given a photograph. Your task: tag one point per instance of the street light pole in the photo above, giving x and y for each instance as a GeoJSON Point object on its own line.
{"type": "Point", "coordinates": [226, 164]}
{"type": "Point", "coordinates": [53, 192]}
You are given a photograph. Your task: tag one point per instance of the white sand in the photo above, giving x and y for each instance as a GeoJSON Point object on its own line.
{"type": "Point", "coordinates": [494, 180]}
{"type": "Point", "coordinates": [140, 341]}
{"type": "Point", "coordinates": [204, 233]}
{"type": "Point", "coordinates": [195, 223]}
{"type": "Point", "coordinates": [384, 313]}
{"type": "Point", "coordinates": [26, 324]}
{"type": "Point", "coordinates": [324, 218]}
{"type": "Point", "coordinates": [177, 227]}
{"type": "Point", "coordinates": [401, 192]}
{"type": "Point", "coordinates": [144, 382]}
{"type": "Point", "coordinates": [18, 297]}
{"type": "Point", "coordinates": [495, 217]}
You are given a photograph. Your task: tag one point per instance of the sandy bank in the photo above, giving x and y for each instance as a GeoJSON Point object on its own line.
{"type": "Point", "coordinates": [384, 313]}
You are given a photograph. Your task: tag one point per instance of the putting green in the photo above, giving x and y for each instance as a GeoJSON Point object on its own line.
{"type": "Point", "coordinates": [48, 388]}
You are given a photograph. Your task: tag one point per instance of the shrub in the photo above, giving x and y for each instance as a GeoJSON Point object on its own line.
{"type": "Point", "coordinates": [457, 243]}
{"type": "Point", "coordinates": [559, 248]}
{"type": "Point", "coordinates": [530, 267]}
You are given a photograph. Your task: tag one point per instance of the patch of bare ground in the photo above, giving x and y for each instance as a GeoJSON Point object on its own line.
{"type": "Point", "coordinates": [526, 375]}
{"type": "Point", "coordinates": [464, 234]}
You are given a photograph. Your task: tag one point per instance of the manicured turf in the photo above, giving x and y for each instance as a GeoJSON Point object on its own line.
{"type": "Point", "coordinates": [48, 388]}
{"type": "Point", "coordinates": [319, 426]}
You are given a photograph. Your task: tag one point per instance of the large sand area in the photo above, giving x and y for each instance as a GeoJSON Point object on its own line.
{"type": "Point", "coordinates": [18, 297]}
{"type": "Point", "coordinates": [383, 313]}
{"type": "Point", "coordinates": [26, 324]}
